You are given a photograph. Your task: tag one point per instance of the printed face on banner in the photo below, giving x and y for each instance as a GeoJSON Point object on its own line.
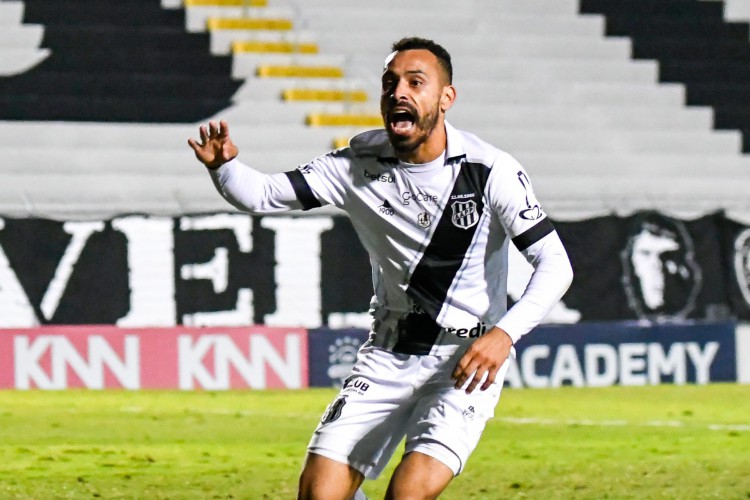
{"type": "Point", "coordinates": [742, 263]}
{"type": "Point", "coordinates": [661, 276]}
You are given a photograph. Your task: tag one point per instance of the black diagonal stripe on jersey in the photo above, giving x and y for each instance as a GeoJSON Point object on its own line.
{"type": "Point", "coordinates": [302, 190]}
{"type": "Point", "coordinates": [533, 234]}
{"type": "Point", "coordinates": [432, 278]}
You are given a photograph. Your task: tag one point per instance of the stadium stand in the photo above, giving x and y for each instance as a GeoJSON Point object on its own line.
{"type": "Point", "coordinates": [596, 129]}
{"type": "Point", "coordinates": [694, 46]}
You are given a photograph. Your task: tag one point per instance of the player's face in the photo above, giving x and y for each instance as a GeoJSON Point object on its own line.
{"type": "Point", "coordinates": [413, 98]}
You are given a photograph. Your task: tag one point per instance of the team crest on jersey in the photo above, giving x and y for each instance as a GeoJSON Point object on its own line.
{"type": "Point", "coordinates": [424, 219]}
{"type": "Point", "coordinates": [465, 214]}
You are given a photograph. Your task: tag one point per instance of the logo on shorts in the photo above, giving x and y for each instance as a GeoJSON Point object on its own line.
{"type": "Point", "coordinates": [469, 413]}
{"type": "Point", "coordinates": [333, 412]}
{"type": "Point", "coordinates": [358, 385]}
{"type": "Point", "coordinates": [465, 214]}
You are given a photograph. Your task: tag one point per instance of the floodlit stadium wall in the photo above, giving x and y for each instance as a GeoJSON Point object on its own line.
{"type": "Point", "coordinates": [585, 354]}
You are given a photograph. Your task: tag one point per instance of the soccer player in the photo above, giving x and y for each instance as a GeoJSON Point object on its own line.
{"type": "Point", "coordinates": [435, 208]}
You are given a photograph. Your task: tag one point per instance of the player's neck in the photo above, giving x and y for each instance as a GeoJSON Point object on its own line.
{"type": "Point", "coordinates": [429, 150]}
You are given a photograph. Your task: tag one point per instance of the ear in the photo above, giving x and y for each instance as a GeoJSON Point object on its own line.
{"type": "Point", "coordinates": [448, 98]}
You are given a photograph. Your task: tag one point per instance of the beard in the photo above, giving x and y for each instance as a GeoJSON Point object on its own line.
{"type": "Point", "coordinates": [423, 128]}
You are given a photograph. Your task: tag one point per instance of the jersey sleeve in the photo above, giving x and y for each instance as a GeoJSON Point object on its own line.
{"type": "Point", "coordinates": [512, 198]}
{"type": "Point", "coordinates": [323, 181]}
{"type": "Point", "coordinates": [521, 214]}
{"type": "Point", "coordinates": [252, 191]}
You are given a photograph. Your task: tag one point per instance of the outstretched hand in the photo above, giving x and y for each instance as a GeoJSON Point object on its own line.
{"type": "Point", "coordinates": [485, 356]}
{"type": "Point", "coordinates": [215, 148]}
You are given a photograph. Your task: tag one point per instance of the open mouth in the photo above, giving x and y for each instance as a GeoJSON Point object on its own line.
{"type": "Point", "coordinates": [402, 121]}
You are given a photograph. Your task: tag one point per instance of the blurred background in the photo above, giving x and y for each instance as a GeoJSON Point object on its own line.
{"type": "Point", "coordinates": [631, 117]}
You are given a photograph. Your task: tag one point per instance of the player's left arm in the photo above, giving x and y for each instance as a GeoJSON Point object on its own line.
{"type": "Point", "coordinates": [514, 201]}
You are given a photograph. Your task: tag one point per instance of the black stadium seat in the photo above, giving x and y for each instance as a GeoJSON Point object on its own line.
{"type": "Point", "coordinates": [117, 62]}
{"type": "Point", "coordinates": [695, 46]}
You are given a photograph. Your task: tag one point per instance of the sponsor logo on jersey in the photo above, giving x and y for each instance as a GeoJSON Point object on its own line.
{"type": "Point", "coordinates": [386, 208]}
{"type": "Point", "coordinates": [532, 211]}
{"type": "Point", "coordinates": [424, 219]}
{"type": "Point", "coordinates": [379, 177]}
{"type": "Point", "coordinates": [465, 214]}
{"type": "Point", "coordinates": [305, 169]}
{"type": "Point", "coordinates": [407, 197]}
{"type": "Point", "coordinates": [469, 333]}
{"type": "Point", "coordinates": [462, 196]}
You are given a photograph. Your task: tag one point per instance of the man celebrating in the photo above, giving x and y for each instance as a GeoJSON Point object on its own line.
{"type": "Point", "coordinates": [435, 208]}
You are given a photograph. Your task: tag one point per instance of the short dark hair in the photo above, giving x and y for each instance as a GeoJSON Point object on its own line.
{"type": "Point", "coordinates": [415, 43]}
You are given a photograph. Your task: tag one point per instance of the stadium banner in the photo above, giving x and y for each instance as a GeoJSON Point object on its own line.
{"type": "Point", "coordinates": [106, 357]}
{"type": "Point", "coordinates": [625, 353]}
{"type": "Point", "coordinates": [235, 270]}
{"type": "Point", "coordinates": [332, 354]}
{"type": "Point", "coordinates": [583, 355]}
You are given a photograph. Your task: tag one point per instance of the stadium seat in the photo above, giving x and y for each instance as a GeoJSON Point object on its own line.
{"type": "Point", "coordinates": [598, 131]}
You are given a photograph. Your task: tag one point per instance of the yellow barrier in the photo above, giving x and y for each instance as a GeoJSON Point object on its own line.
{"type": "Point", "coordinates": [267, 71]}
{"type": "Point", "coordinates": [225, 3]}
{"type": "Point", "coordinates": [248, 23]}
{"type": "Point", "coordinates": [343, 120]}
{"type": "Point", "coordinates": [275, 47]}
{"type": "Point", "coordinates": [324, 95]}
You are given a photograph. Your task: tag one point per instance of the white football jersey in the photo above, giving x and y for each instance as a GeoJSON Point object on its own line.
{"type": "Point", "coordinates": [436, 233]}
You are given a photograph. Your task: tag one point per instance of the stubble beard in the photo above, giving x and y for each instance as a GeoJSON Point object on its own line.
{"type": "Point", "coordinates": [426, 125]}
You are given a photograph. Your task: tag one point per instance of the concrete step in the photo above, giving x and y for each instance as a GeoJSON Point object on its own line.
{"type": "Point", "coordinates": [196, 17]}
{"type": "Point", "coordinates": [15, 61]}
{"type": "Point", "coordinates": [11, 13]}
{"type": "Point", "coordinates": [25, 36]}
{"type": "Point", "coordinates": [621, 142]}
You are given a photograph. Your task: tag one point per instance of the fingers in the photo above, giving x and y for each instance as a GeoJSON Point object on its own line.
{"type": "Point", "coordinates": [224, 131]}
{"type": "Point", "coordinates": [203, 134]}
{"type": "Point", "coordinates": [475, 368]}
{"type": "Point", "coordinates": [469, 369]}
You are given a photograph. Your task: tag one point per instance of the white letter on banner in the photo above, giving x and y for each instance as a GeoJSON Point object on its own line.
{"type": "Point", "coordinates": [26, 357]}
{"type": "Point", "coordinates": [566, 367]}
{"type": "Point", "coordinates": [608, 355]}
{"type": "Point", "coordinates": [217, 270]}
{"type": "Point", "coordinates": [91, 370]}
{"type": "Point", "coordinates": [289, 370]}
{"type": "Point", "coordinates": [252, 367]}
{"type": "Point", "coordinates": [15, 309]}
{"type": "Point", "coordinates": [702, 360]}
{"type": "Point", "coordinates": [298, 301]}
{"type": "Point", "coordinates": [513, 375]}
{"type": "Point", "coordinates": [528, 365]}
{"type": "Point", "coordinates": [151, 271]}
{"type": "Point", "coordinates": [673, 363]}
{"type": "Point", "coordinates": [80, 232]}
{"type": "Point", "coordinates": [632, 364]}
{"type": "Point", "coordinates": [190, 362]}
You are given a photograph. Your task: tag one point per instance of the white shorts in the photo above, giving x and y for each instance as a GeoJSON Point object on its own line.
{"type": "Point", "coordinates": [389, 396]}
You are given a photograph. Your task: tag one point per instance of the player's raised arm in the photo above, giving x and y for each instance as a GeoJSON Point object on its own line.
{"type": "Point", "coordinates": [215, 147]}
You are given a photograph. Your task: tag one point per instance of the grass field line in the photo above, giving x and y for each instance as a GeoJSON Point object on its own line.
{"type": "Point", "coordinates": [507, 420]}
{"type": "Point", "coordinates": [622, 423]}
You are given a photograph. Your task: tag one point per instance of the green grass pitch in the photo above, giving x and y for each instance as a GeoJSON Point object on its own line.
{"type": "Point", "coordinates": [676, 442]}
